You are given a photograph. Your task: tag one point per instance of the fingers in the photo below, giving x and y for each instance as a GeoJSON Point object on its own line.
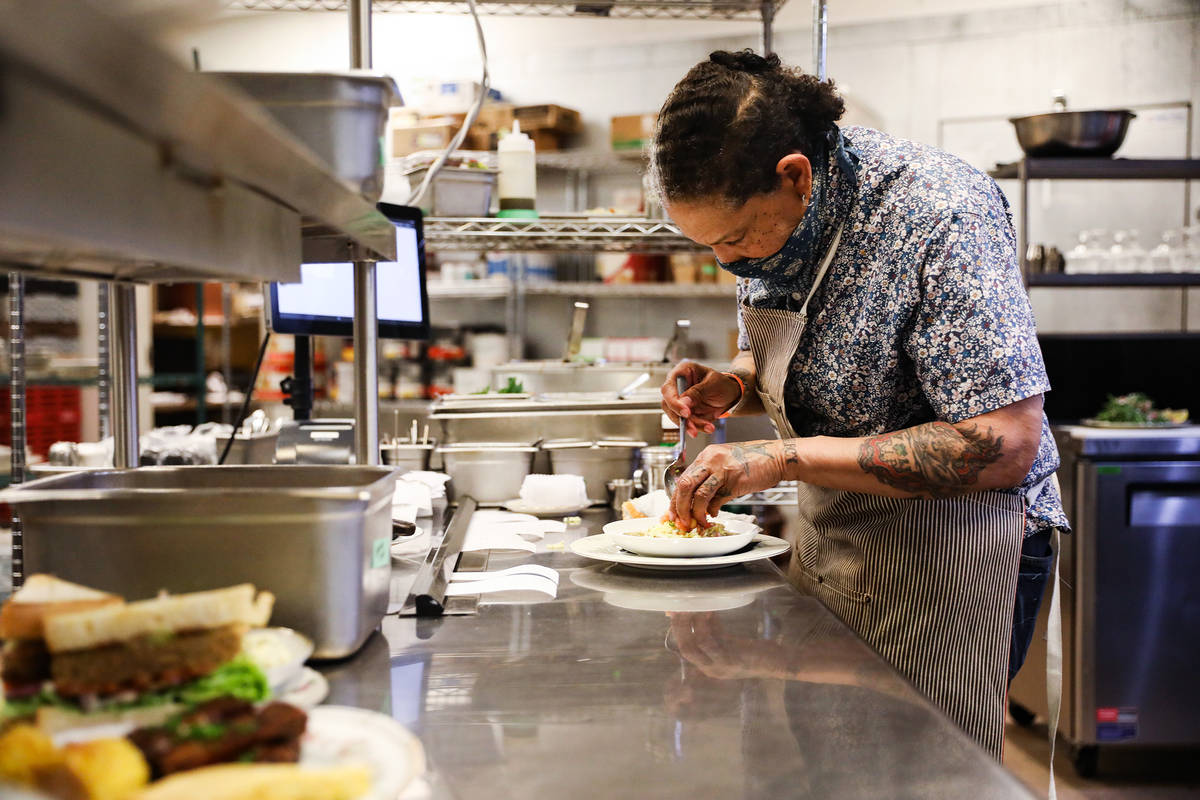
{"type": "Point", "coordinates": [685, 489]}
{"type": "Point", "coordinates": [705, 493]}
{"type": "Point", "coordinates": [675, 405]}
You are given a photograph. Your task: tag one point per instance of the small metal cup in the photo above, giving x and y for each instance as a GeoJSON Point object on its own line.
{"type": "Point", "coordinates": [620, 490]}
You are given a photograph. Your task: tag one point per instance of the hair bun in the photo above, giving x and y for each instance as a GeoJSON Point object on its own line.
{"type": "Point", "coordinates": [745, 61]}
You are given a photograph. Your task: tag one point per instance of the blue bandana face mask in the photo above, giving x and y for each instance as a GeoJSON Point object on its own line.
{"type": "Point", "coordinates": [801, 246]}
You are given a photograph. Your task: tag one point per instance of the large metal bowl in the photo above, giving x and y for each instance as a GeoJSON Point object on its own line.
{"type": "Point", "coordinates": [1097, 134]}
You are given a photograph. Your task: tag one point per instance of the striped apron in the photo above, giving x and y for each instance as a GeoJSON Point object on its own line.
{"type": "Point", "coordinates": [930, 584]}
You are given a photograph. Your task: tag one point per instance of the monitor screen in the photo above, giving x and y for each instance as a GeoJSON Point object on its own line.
{"type": "Point", "coordinates": [322, 303]}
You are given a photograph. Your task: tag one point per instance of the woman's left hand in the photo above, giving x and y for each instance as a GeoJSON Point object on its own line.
{"type": "Point", "coordinates": [724, 471]}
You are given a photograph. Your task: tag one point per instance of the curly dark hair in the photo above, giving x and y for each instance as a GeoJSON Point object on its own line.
{"type": "Point", "coordinates": [725, 126]}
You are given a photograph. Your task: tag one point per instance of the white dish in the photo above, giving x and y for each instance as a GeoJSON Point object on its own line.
{"type": "Point", "coordinates": [307, 691]}
{"type": "Point", "coordinates": [342, 736]}
{"type": "Point", "coordinates": [623, 532]}
{"type": "Point", "coordinates": [603, 547]}
{"type": "Point", "coordinates": [279, 652]}
{"type": "Point", "coordinates": [521, 507]}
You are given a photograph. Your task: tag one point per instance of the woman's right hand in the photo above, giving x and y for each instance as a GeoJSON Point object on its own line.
{"type": "Point", "coordinates": [710, 394]}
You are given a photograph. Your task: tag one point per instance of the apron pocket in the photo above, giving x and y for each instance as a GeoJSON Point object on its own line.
{"type": "Point", "coordinates": [819, 583]}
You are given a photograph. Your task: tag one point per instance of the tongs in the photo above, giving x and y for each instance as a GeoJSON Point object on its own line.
{"type": "Point", "coordinates": [675, 468]}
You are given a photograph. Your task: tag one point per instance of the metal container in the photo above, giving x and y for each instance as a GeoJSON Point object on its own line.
{"type": "Point", "coordinates": [598, 462]}
{"type": "Point", "coordinates": [579, 417]}
{"type": "Point", "coordinates": [317, 537]}
{"type": "Point", "coordinates": [557, 376]}
{"type": "Point", "coordinates": [456, 191]}
{"type": "Point", "coordinates": [1073, 133]}
{"type": "Point", "coordinates": [340, 116]}
{"type": "Point", "coordinates": [249, 448]}
{"type": "Point", "coordinates": [649, 477]}
{"type": "Point", "coordinates": [407, 457]}
{"type": "Point", "coordinates": [489, 472]}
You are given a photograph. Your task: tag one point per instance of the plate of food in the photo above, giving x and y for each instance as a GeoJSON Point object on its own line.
{"type": "Point", "coordinates": [647, 536]}
{"type": "Point", "coordinates": [603, 547]}
{"type": "Point", "coordinates": [1136, 410]}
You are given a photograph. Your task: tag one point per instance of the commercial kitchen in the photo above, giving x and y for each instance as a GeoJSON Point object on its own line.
{"type": "Point", "coordinates": [647, 398]}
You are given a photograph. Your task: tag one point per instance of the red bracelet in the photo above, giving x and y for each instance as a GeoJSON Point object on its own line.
{"type": "Point", "coordinates": [742, 386]}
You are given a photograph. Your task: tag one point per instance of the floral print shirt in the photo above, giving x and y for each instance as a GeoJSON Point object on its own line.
{"type": "Point", "coordinates": [922, 315]}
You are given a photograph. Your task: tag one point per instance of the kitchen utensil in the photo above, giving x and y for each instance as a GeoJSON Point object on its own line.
{"type": "Point", "coordinates": [341, 117]}
{"type": "Point", "coordinates": [488, 472]}
{"type": "Point", "coordinates": [315, 536]}
{"type": "Point", "coordinates": [675, 468]}
{"type": "Point", "coordinates": [1072, 133]}
{"type": "Point", "coordinates": [602, 547]}
{"type": "Point", "coordinates": [405, 456]}
{"type": "Point", "coordinates": [620, 491]}
{"type": "Point", "coordinates": [575, 337]}
{"type": "Point", "coordinates": [598, 462]}
{"type": "Point", "coordinates": [429, 587]}
{"type": "Point", "coordinates": [632, 386]}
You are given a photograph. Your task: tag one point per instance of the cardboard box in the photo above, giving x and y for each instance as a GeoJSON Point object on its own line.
{"type": "Point", "coordinates": [429, 135]}
{"type": "Point", "coordinates": [549, 118]}
{"type": "Point", "coordinates": [633, 132]}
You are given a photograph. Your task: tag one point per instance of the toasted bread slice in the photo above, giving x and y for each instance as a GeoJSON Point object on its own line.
{"type": "Point", "coordinates": [197, 611]}
{"type": "Point", "coordinates": [24, 615]}
{"type": "Point", "coordinates": [261, 782]}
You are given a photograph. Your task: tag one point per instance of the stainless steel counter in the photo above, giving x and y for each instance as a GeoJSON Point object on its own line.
{"type": "Point", "coordinates": [600, 693]}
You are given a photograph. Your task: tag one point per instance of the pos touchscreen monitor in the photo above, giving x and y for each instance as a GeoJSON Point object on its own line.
{"type": "Point", "coordinates": [322, 303]}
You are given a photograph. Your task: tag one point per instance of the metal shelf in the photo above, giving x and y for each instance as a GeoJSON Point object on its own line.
{"type": "Point", "coordinates": [122, 164]}
{"type": "Point", "coordinates": [592, 234]}
{"type": "Point", "coordinates": [1112, 279]}
{"type": "Point", "coordinates": [565, 160]}
{"type": "Point", "coordinates": [468, 290]}
{"type": "Point", "coordinates": [632, 290]}
{"type": "Point", "coordinates": [1144, 169]}
{"type": "Point", "coordinates": [638, 9]}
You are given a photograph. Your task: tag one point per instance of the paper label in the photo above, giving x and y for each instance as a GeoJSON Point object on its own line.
{"type": "Point", "coordinates": [381, 552]}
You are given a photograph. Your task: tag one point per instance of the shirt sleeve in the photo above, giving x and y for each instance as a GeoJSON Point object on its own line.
{"type": "Point", "coordinates": [973, 340]}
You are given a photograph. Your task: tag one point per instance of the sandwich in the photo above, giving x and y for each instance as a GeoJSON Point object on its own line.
{"type": "Point", "coordinates": [169, 651]}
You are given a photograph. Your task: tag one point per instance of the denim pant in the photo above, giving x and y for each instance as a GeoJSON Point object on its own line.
{"type": "Point", "coordinates": [1037, 560]}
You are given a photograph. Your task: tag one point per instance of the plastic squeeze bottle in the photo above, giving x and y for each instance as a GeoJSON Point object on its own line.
{"type": "Point", "coordinates": [518, 175]}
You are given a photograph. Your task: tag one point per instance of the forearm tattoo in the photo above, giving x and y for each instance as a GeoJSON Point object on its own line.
{"type": "Point", "coordinates": [936, 459]}
{"type": "Point", "coordinates": [745, 454]}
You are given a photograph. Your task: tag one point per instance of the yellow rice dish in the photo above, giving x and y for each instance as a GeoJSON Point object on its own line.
{"type": "Point", "coordinates": [665, 529]}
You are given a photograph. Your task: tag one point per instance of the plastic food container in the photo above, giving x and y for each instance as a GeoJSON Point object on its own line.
{"type": "Point", "coordinates": [456, 191]}
{"type": "Point", "coordinates": [487, 472]}
{"type": "Point", "coordinates": [316, 537]}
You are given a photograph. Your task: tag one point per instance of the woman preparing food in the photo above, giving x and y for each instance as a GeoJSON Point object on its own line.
{"type": "Point", "coordinates": [885, 331]}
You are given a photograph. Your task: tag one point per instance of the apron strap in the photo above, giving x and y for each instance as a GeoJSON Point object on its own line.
{"type": "Point", "coordinates": [825, 262]}
{"type": "Point", "coordinates": [1054, 654]}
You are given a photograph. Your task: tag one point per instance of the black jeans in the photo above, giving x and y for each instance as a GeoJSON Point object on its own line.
{"type": "Point", "coordinates": [1037, 560]}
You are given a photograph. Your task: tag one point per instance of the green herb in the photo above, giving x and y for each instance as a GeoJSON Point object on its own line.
{"type": "Point", "coordinates": [201, 732]}
{"type": "Point", "coordinates": [1135, 407]}
{"type": "Point", "coordinates": [514, 386]}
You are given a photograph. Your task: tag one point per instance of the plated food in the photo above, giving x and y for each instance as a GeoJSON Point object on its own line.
{"type": "Point", "coordinates": [1136, 410]}
{"type": "Point", "coordinates": [651, 537]}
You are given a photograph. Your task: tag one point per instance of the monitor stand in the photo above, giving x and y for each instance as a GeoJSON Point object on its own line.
{"type": "Point", "coordinates": [298, 388]}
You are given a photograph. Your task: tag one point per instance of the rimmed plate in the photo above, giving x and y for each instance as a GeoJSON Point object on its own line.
{"type": "Point", "coordinates": [521, 507]}
{"type": "Point", "coordinates": [602, 547]}
{"type": "Point", "coordinates": [307, 691]}
{"type": "Point", "coordinates": [1101, 423]}
{"type": "Point", "coordinates": [279, 652]}
{"type": "Point", "coordinates": [343, 735]}
{"type": "Point", "coordinates": [624, 533]}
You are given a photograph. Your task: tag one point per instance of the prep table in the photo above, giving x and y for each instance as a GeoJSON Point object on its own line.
{"type": "Point", "coordinates": [588, 695]}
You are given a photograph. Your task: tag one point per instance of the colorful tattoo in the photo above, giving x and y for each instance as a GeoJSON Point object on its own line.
{"type": "Point", "coordinates": [936, 459]}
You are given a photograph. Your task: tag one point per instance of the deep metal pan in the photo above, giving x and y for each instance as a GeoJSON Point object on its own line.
{"type": "Point", "coordinates": [1097, 134]}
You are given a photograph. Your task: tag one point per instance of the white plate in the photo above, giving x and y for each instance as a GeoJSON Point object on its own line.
{"type": "Point", "coordinates": [740, 534]}
{"type": "Point", "coordinates": [1100, 423]}
{"type": "Point", "coordinates": [307, 691]}
{"type": "Point", "coordinates": [648, 593]}
{"type": "Point", "coordinates": [342, 736]}
{"type": "Point", "coordinates": [279, 652]}
{"type": "Point", "coordinates": [521, 507]}
{"type": "Point", "coordinates": [603, 547]}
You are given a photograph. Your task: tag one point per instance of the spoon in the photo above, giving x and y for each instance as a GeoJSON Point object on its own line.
{"type": "Point", "coordinates": [675, 468]}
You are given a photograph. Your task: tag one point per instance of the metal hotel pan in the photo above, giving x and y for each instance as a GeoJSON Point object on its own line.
{"type": "Point", "coordinates": [317, 537]}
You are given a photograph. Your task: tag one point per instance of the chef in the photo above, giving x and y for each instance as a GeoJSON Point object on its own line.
{"type": "Point", "coordinates": [885, 331]}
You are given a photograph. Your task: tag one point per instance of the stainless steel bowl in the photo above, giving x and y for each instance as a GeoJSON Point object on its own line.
{"type": "Point", "coordinates": [340, 116]}
{"type": "Point", "coordinates": [1073, 133]}
{"type": "Point", "coordinates": [598, 462]}
{"type": "Point", "coordinates": [490, 473]}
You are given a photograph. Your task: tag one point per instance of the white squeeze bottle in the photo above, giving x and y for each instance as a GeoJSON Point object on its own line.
{"type": "Point", "coordinates": [518, 174]}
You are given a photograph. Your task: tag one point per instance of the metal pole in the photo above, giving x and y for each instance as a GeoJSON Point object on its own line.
{"type": "Point", "coordinates": [226, 348]}
{"type": "Point", "coordinates": [16, 399]}
{"type": "Point", "coordinates": [366, 366]}
{"type": "Point", "coordinates": [366, 324]}
{"type": "Point", "coordinates": [123, 330]}
{"type": "Point", "coordinates": [103, 375]}
{"type": "Point", "coordinates": [360, 34]}
{"type": "Point", "coordinates": [1023, 233]}
{"type": "Point", "coordinates": [198, 377]}
{"type": "Point", "coordinates": [768, 23]}
{"type": "Point", "coordinates": [820, 23]}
